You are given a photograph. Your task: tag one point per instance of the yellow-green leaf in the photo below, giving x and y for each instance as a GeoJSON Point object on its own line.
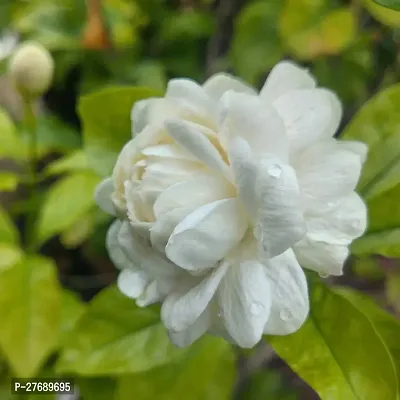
{"type": "Point", "coordinates": [106, 123]}
{"type": "Point", "coordinates": [338, 352]}
{"type": "Point", "coordinates": [116, 337]}
{"type": "Point", "coordinates": [72, 310]}
{"type": "Point", "coordinates": [30, 314]}
{"type": "Point", "coordinates": [8, 181]}
{"type": "Point", "coordinates": [8, 231]}
{"type": "Point", "coordinates": [206, 371]}
{"type": "Point", "coordinates": [75, 161]}
{"type": "Point", "coordinates": [11, 146]}
{"type": "Point", "coordinates": [382, 14]}
{"type": "Point", "coordinates": [310, 28]}
{"type": "Point", "coordinates": [66, 202]}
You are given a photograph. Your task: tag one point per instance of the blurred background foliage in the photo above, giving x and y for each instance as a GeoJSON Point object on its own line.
{"type": "Point", "coordinates": [353, 47]}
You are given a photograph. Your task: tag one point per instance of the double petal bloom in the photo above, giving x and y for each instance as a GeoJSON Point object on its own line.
{"type": "Point", "coordinates": [223, 193]}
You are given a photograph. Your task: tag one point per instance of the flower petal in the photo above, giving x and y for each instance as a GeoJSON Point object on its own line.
{"type": "Point", "coordinates": [114, 248]}
{"type": "Point", "coordinates": [326, 259]}
{"type": "Point", "coordinates": [289, 293]}
{"type": "Point", "coordinates": [280, 221]}
{"type": "Point", "coordinates": [103, 196]}
{"type": "Point", "coordinates": [183, 307]}
{"type": "Point", "coordinates": [200, 190]}
{"type": "Point", "coordinates": [192, 94]}
{"type": "Point", "coordinates": [245, 172]}
{"type": "Point", "coordinates": [285, 77]}
{"type": "Point", "coordinates": [193, 332]}
{"type": "Point", "coordinates": [245, 300]}
{"type": "Point", "coordinates": [220, 83]}
{"type": "Point", "coordinates": [327, 172]}
{"type": "Point", "coordinates": [191, 137]}
{"type": "Point", "coordinates": [260, 125]}
{"type": "Point", "coordinates": [341, 225]}
{"type": "Point", "coordinates": [144, 257]}
{"type": "Point", "coordinates": [132, 283]}
{"type": "Point", "coordinates": [205, 236]}
{"type": "Point", "coordinates": [150, 295]}
{"type": "Point", "coordinates": [309, 115]}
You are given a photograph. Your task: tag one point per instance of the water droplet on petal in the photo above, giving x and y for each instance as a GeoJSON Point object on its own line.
{"type": "Point", "coordinates": [285, 315]}
{"type": "Point", "coordinates": [323, 275]}
{"type": "Point", "coordinates": [256, 308]}
{"type": "Point", "coordinates": [275, 170]}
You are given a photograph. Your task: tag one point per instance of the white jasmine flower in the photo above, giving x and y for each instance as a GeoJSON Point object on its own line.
{"type": "Point", "coordinates": [223, 193]}
{"type": "Point", "coordinates": [8, 42]}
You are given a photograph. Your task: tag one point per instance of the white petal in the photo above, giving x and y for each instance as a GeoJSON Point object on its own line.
{"type": "Point", "coordinates": [205, 236]}
{"type": "Point", "coordinates": [220, 83]}
{"type": "Point", "coordinates": [150, 295]}
{"type": "Point", "coordinates": [245, 172]}
{"type": "Point", "coordinates": [309, 115]}
{"type": "Point", "coordinates": [191, 93]}
{"type": "Point", "coordinates": [132, 283]}
{"type": "Point", "coordinates": [103, 196]}
{"type": "Point", "coordinates": [280, 218]}
{"type": "Point", "coordinates": [200, 190]}
{"type": "Point", "coordinates": [184, 306]}
{"type": "Point", "coordinates": [195, 331]}
{"type": "Point", "coordinates": [260, 125]}
{"type": "Point", "coordinates": [341, 225]}
{"type": "Point", "coordinates": [326, 173]}
{"type": "Point", "coordinates": [190, 136]}
{"type": "Point", "coordinates": [165, 225]}
{"type": "Point", "coordinates": [357, 147]}
{"type": "Point", "coordinates": [290, 303]}
{"type": "Point", "coordinates": [153, 111]}
{"type": "Point", "coordinates": [326, 259]}
{"type": "Point", "coordinates": [285, 77]}
{"type": "Point", "coordinates": [168, 151]}
{"type": "Point", "coordinates": [143, 256]}
{"type": "Point", "coordinates": [114, 248]}
{"type": "Point", "coordinates": [245, 300]}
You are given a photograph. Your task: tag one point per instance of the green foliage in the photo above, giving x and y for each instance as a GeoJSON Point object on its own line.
{"type": "Point", "coordinates": [328, 353]}
{"type": "Point", "coordinates": [30, 309]}
{"type": "Point", "coordinates": [67, 201]}
{"type": "Point", "coordinates": [105, 112]}
{"type": "Point", "coordinates": [383, 14]}
{"type": "Point", "coordinates": [377, 124]}
{"type": "Point", "coordinates": [205, 371]}
{"type": "Point", "coordinates": [310, 28]}
{"type": "Point", "coordinates": [8, 231]}
{"type": "Point", "coordinates": [256, 45]}
{"type": "Point", "coordinates": [393, 4]}
{"type": "Point", "coordinates": [106, 342]}
{"type": "Point", "coordinates": [11, 145]}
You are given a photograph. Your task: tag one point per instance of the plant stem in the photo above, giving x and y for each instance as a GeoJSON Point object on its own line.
{"type": "Point", "coordinates": [30, 126]}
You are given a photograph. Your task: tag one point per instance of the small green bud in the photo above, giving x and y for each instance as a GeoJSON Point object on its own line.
{"type": "Point", "coordinates": [31, 69]}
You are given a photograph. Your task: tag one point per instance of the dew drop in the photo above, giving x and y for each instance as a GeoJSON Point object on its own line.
{"type": "Point", "coordinates": [256, 308]}
{"type": "Point", "coordinates": [275, 170]}
{"type": "Point", "coordinates": [285, 315]}
{"type": "Point", "coordinates": [323, 275]}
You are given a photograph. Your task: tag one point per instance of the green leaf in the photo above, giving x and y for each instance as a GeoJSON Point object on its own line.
{"type": "Point", "coordinates": [8, 231]}
{"type": "Point", "coordinates": [106, 123]}
{"type": "Point", "coordinates": [72, 310]}
{"type": "Point", "coordinates": [310, 29]}
{"type": "Point", "coordinates": [377, 124]}
{"type": "Point", "coordinates": [11, 145]}
{"type": "Point", "coordinates": [206, 371]}
{"type": "Point", "coordinates": [116, 337]}
{"type": "Point", "coordinates": [392, 4]}
{"type": "Point", "coordinates": [256, 46]}
{"type": "Point", "coordinates": [75, 161]}
{"type": "Point", "coordinates": [9, 255]}
{"type": "Point", "coordinates": [385, 324]}
{"type": "Point", "coordinates": [338, 352]}
{"type": "Point", "coordinates": [8, 181]}
{"type": "Point", "coordinates": [66, 202]}
{"type": "Point", "coordinates": [97, 388]}
{"type": "Point", "coordinates": [392, 289]}
{"type": "Point", "coordinates": [78, 233]}
{"type": "Point", "coordinates": [383, 14]}
{"type": "Point", "coordinates": [367, 268]}
{"type": "Point", "coordinates": [267, 384]}
{"type": "Point", "coordinates": [30, 313]}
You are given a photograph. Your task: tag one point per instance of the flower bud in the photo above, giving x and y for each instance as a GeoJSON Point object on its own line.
{"type": "Point", "coordinates": [31, 69]}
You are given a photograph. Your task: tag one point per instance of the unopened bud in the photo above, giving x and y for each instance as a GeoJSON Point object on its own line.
{"type": "Point", "coordinates": [31, 69]}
